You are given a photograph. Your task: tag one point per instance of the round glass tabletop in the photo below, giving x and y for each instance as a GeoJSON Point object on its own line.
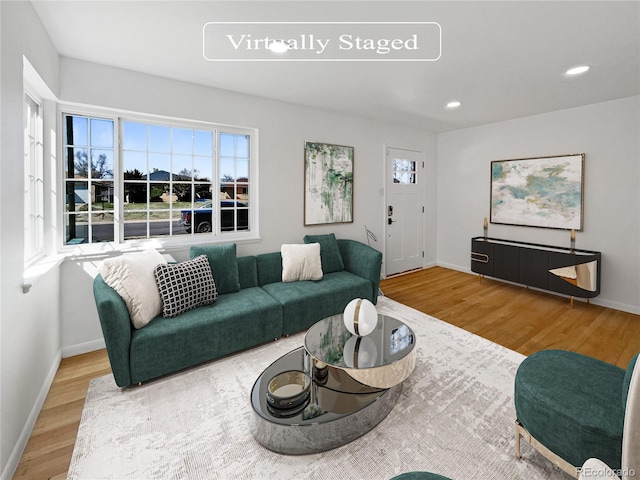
{"type": "Point", "coordinates": [381, 359]}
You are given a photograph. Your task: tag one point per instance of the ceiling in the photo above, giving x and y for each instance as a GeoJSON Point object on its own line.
{"type": "Point", "coordinates": [502, 60]}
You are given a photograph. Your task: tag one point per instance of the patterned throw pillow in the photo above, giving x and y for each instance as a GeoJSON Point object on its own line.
{"type": "Point", "coordinates": [184, 286]}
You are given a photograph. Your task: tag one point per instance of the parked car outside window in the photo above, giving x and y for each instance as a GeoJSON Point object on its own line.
{"type": "Point", "coordinates": [202, 217]}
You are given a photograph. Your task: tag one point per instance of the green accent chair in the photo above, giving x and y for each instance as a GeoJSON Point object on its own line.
{"type": "Point", "coordinates": [595, 469]}
{"type": "Point", "coordinates": [571, 407]}
{"type": "Point", "coordinates": [420, 476]}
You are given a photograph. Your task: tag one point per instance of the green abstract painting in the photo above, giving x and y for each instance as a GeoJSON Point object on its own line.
{"type": "Point", "coordinates": [328, 179]}
{"type": "Point", "coordinates": [538, 192]}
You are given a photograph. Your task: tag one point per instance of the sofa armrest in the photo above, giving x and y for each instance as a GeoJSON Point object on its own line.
{"type": "Point", "coordinates": [116, 328]}
{"type": "Point", "coordinates": [362, 260]}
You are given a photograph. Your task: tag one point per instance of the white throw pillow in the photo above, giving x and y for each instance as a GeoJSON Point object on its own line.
{"type": "Point", "coordinates": [301, 262]}
{"type": "Point", "coordinates": [132, 276]}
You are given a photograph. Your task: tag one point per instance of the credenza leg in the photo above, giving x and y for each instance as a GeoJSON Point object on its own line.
{"type": "Point", "coordinates": [571, 302]}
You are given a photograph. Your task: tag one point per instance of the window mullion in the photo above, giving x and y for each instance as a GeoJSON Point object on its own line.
{"type": "Point", "coordinates": [215, 183]}
{"type": "Point", "coordinates": [118, 184]}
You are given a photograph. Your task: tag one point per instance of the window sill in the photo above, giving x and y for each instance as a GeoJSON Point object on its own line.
{"type": "Point", "coordinates": [37, 270]}
{"type": "Point", "coordinates": [162, 245]}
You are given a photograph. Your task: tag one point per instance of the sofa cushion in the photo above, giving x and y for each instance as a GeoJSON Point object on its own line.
{"type": "Point", "coordinates": [247, 271]}
{"type": "Point", "coordinates": [565, 400]}
{"type": "Point", "coordinates": [234, 322]}
{"type": "Point", "coordinates": [269, 268]}
{"type": "Point", "coordinates": [184, 286]}
{"type": "Point", "coordinates": [329, 252]}
{"type": "Point", "coordinates": [305, 303]}
{"type": "Point", "coordinates": [301, 262]}
{"type": "Point", "coordinates": [132, 276]}
{"type": "Point", "coordinates": [224, 267]}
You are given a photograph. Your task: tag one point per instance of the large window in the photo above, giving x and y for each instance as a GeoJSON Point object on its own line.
{"type": "Point", "coordinates": [163, 179]}
{"type": "Point", "coordinates": [33, 179]}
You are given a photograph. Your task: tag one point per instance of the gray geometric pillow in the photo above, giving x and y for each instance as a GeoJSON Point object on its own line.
{"type": "Point", "coordinates": [184, 286]}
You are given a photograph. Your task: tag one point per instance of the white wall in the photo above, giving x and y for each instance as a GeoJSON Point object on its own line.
{"type": "Point", "coordinates": [59, 312]}
{"type": "Point", "coordinates": [607, 133]}
{"type": "Point", "coordinates": [29, 323]}
{"type": "Point", "coordinates": [283, 129]}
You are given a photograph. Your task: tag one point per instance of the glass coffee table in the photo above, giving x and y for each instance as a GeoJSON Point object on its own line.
{"type": "Point", "coordinates": [354, 383]}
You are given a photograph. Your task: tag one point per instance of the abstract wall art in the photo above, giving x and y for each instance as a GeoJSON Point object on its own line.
{"type": "Point", "coordinates": [328, 182]}
{"type": "Point", "coordinates": [543, 192]}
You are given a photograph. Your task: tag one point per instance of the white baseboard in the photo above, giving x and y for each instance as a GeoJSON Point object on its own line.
{"type": "Point", "coordinates": [451, 266]}
{"type": "Point", "coordinates": [18, 450]}
{"type": "Point", "coordinates": [21, 444]}
{"type": "Point", "coordinates": [81, 348]}
{"type": "Point", "coordinates": [616, 305]}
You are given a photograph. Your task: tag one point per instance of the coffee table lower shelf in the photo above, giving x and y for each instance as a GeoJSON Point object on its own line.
{"type": "Point", "coordinates": [338, 411]}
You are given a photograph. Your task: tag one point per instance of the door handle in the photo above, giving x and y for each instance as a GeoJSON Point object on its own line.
{"type": "Point", "coordinates": [390, 221]}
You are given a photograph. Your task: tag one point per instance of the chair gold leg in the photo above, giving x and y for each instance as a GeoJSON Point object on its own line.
{"type": "Point", "coordinates": [552, 457]}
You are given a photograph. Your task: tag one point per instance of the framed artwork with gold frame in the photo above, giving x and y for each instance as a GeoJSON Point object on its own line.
{"type": "Point", "coordinates": [546, 192]}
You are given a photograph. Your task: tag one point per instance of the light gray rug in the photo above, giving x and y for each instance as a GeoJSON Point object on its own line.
{"type": "Point", "coordinates": [455, 417]}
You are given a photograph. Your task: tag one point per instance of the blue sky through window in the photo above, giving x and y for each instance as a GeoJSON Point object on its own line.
{"type": "Point", "coordinates": [151, 148]}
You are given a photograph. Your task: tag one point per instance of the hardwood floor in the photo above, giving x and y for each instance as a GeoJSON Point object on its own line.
{"type": "Point", "coordinates": [518, 318]}
{"type": "Point", "coordinates": [524, 320]}
{"type": "Point", "coordinates": [50, 446]}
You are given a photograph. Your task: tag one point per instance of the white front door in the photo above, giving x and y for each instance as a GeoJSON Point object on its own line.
{"type": "Point", "coordinates": [404, 210]}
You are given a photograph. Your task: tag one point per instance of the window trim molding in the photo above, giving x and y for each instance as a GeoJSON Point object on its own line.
{"type": "Point", "coordinates": [40, 252]}
{"type": "Point", "coordinates": [168, 243]}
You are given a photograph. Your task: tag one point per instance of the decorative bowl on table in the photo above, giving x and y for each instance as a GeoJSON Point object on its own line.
{"type": "Point", "coordinates": [288, 390]}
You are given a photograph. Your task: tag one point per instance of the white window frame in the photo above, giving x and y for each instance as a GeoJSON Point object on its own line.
{"type": "Point", "coordinates": [161, 242]}
{"type": "Point", "coordinates": [34, 235]}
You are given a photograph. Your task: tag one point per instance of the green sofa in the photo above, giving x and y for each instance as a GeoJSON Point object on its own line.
{"type": "Point", "coordinates": [253, 307]}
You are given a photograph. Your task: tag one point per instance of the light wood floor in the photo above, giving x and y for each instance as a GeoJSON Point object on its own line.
{"type": "Point", "coordinates": [524, 320]}
{"type": "Point", "coordinates": [50, 446]}
{"type": "Point", "coordinates": [520, 319]}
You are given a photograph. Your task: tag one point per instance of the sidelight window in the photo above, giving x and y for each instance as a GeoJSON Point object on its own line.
{"type": "Point", "coordinates": [33, 179]}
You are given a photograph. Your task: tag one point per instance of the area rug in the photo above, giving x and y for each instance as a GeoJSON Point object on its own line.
{"type": "Point", "coordinates": [454, 417]}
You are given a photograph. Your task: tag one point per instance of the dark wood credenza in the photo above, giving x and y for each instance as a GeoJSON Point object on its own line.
{"type": "Point", "coordinates": [561, 270]}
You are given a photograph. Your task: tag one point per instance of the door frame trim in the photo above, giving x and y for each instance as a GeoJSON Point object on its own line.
{"type": "Point", "coordinates": [385, 149]}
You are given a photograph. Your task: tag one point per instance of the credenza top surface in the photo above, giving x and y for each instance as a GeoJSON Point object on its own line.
{"type": "Point", "coordinates": [535, 246]}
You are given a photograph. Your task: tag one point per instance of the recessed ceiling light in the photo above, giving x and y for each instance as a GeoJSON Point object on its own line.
{"type": "Point", "coordinates": [454, 104]}
{"type": "Point", "coordinates": [279, 46]}
{"type": "Point", "coordinates": [577, 70]}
